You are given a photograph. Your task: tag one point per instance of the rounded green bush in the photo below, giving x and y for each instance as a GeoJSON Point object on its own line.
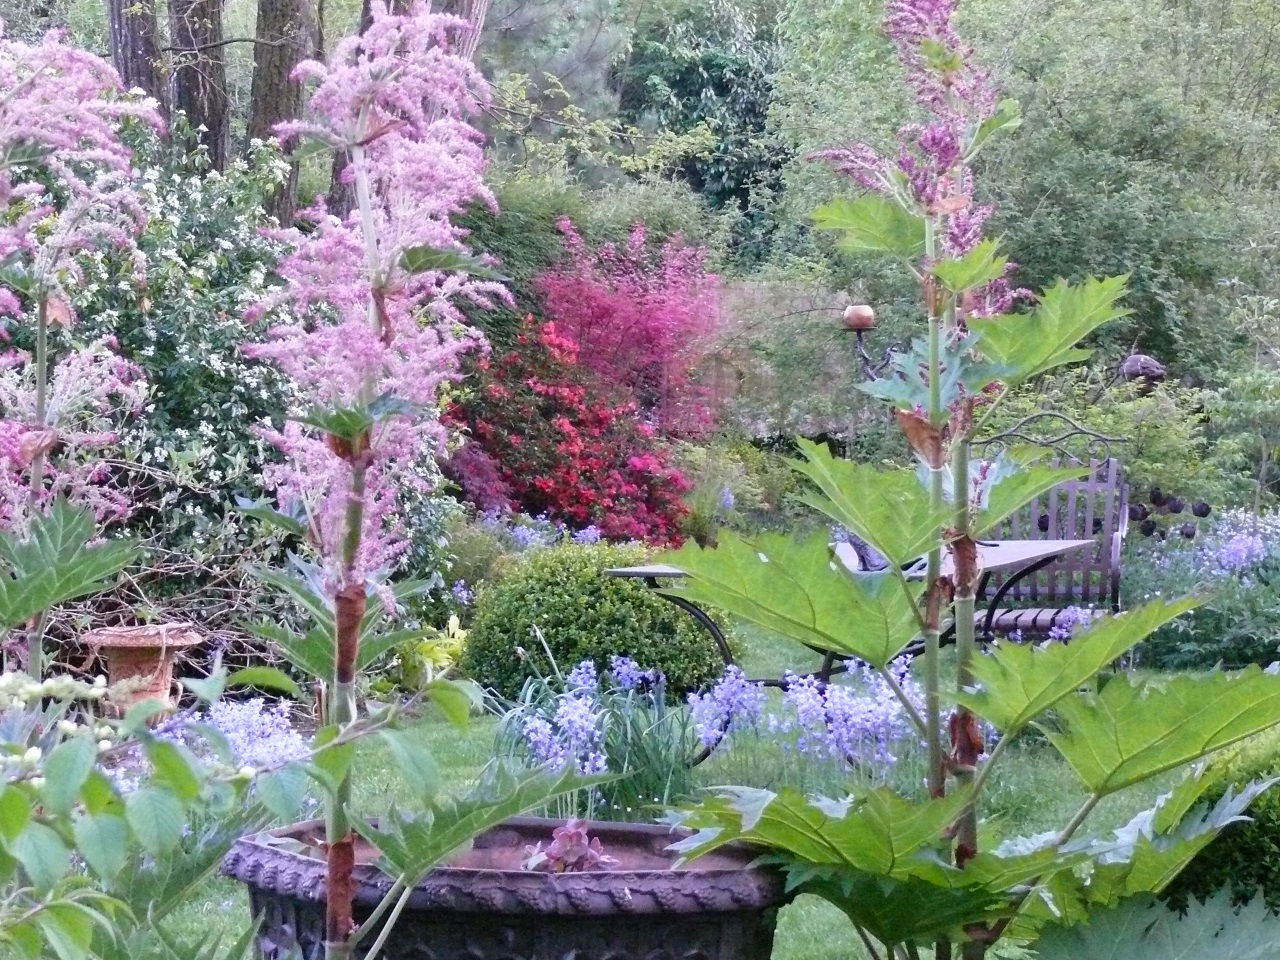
{"type": "Point", "coordinates": [583, 614]}
{"type": "Point", "coordinates": [1245, 857]}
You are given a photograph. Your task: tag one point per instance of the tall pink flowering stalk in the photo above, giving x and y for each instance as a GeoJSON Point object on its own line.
{"type": "Point", "coordinates": [931, 172]}
{"type": "Point", "coordinates": [367, 329]}
{"type": "Point", "coordinates": [932, 181]}
{"type": "Point", "coordinates": [66, 191]}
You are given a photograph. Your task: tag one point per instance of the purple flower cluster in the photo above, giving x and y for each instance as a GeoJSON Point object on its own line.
{"type": "Point", "coordinates": [627, 675]}
{"type": "Point", "coordinates": [1241, 553]}
{"type": "Point", "coordinates": [583, 677]}
{"type": "Point", "coordinates": [463, 595]}
{"type": "Point", "coordinates": [861, 721]}
{"type": "Point", "coordinates": [733, 699]}
{"type": "Point", "coordinates": [1070, 622]}
{"type": "Point", "coordinates": [587, 535]}
{"type": "Point", "coordinates": [259, 736]}
{"type": "Point", "coordinates": [573, 733]}
{"type": "Point", "coordinates": [726, 499]}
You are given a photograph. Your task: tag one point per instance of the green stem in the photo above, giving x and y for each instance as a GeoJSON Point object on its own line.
{"type": "Point", "coordinates": [912, 713]}
{"type": "Point", "coordinates": [932, 683]}
{"type": "Point", "coordinates": [389, 925]}
{"type": "Point", "coordinates": [1076, 821]}
{"type": "Point", "coordinates": [985, 773]}
{"type": "Point", "coordinates": [42, 402]}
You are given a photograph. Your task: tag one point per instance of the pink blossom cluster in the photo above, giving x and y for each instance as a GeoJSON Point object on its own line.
{"type": "Point", "coordinates": [62, 109]}
{"type": "Point", "coordinates": [639, 319]}
{"type": "Point", "coordinates": [65, 190]}
{"type": "Point", "coordinates": [87, 390]}
{"type": "Point", "coordinates": [353, 327]}
{"type": "Point", "coordinates": [930, 170]}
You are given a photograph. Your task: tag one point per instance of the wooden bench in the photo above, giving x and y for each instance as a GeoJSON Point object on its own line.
{"type": "Point", "coordinates": [1094, 508]}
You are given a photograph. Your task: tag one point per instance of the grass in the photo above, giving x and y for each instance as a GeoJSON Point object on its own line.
{"type": "Point", "coordinates": [1035, 792]}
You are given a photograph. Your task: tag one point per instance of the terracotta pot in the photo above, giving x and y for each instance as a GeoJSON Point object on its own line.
{"type": "Point", "coordinates": [144, 654]}
{"type": "Point", "coordinates": [485, 906]}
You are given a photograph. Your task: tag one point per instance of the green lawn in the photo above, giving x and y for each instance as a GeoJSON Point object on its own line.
{"type": "Point", "coordinates": [1036, 793]}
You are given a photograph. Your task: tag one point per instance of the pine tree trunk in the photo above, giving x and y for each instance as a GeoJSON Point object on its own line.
{"type": "Point", "coordinates": [285, 35]}
{"type": "Point", "coordinates": [133, 48]}
{"type": "Point", "coordinates": [200, 74]}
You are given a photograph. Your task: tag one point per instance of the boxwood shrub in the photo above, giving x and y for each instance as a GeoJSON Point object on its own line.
{"type": "Point", "coordinates": [583, 614]}
{"type": "Point", "coordinates": [1245, 857]}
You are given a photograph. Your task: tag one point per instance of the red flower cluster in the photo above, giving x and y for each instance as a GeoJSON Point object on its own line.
{"type": "Point", "coordinates": [556, 442]}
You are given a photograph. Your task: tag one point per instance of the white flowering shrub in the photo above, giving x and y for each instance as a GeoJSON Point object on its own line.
{"type": "Point", "coordinates": [193, 449]}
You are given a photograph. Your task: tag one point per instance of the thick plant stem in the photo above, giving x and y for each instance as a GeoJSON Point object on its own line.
{"type": "Point", "coordinates": [35, 635]}
{"type": "Point", "coordinates": [932, 684]}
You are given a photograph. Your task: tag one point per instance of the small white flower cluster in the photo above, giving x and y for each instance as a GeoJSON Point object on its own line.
{"type": "Point", "coordinates": [18, 690]}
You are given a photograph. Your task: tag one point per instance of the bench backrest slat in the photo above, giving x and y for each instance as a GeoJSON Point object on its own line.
{"type": "Point", "coordinates": [1072, 511]}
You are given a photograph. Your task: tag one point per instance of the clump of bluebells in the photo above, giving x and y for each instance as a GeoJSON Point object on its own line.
{"type": "Point", "coordinates": [616, 721]}
{"type": "Point", "coordinates": [857, 719]}
{"type": "Point", "coordinates": [1235, 558]}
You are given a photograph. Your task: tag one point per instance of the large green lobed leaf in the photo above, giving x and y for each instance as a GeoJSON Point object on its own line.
{"type": "Point", "coordinates": [797, 589]}
{"type": "Point", "coordinates": [1018, 682]}
{"type": "Point", "coordinates": [1136, 729]}
{"type": "Point", "coordinates": [887, 508]}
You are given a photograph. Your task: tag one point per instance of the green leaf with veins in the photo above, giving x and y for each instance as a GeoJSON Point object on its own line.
{"type": "Point", "coordinates": [977, 268]}
{"type": "Point", "coordinates": [889, 509]}
{"type": "Point", "coordinates": [1135, 729]}
{"type": "Point", "coordinates": [960, 375]}
{"type": "Point", "coordinates": [798, 589]}
{"type": "Point", "coordinates": [1028, 344]}
{"type": "Point", "coordinates": [1017, 682]}
{"type": "Point", "coordinates": [873, 224]}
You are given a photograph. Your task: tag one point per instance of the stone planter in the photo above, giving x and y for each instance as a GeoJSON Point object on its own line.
{"type": "Point", "coordinates": [144, 655]}
{"type": "Point", "coordinates": [484, 906]}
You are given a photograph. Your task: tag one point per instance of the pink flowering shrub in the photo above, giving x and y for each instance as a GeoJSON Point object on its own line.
{"type": "Point", "coordinates": [66, 187]}
{"type": "Point", "coordinates": [362, 335]}
{"type": "Point", "coordinates": [640, 319]}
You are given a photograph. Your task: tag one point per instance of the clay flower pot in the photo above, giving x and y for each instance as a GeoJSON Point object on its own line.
{"type": "Point", "coordinates": [144, 654]}
{"type": "Point", "coordinates": [859, 317]}
{"type": "Point", "coordinates": [485, 906]}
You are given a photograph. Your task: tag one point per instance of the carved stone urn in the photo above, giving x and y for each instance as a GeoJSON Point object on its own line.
{"type": "Point", "coordinates": [485, 906]}
{"type": "Point", "coordinates": [144, 656]}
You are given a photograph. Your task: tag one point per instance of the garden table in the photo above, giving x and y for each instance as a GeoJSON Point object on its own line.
{"type": "Point", "coordinates": [1017, 559]}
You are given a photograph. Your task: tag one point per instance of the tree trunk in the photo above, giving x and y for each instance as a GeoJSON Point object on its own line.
{"type": "Point", "coordinates": [133, 48]}
{"type": "Point", "coordinates": [285, 35]}
{"type": "Point", "coordinates": [342, 196]}
{"type": "Point", "coordinates": [200, 74]}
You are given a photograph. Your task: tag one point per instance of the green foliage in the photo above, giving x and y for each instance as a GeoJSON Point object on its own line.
{"type": "Point", "coordinates": [1161, 437]}
{"type": "Point", "coordinates": [1134, 729]}
{"type": "Point", "coordinates": [709, 65]}
{"type": "Point", "coordinates": [140, 850]}
{"type": "Point", "coordinates": [1244, 860]}
{"type": "Point", "coordinates": [1144, 929]}
{"type": "Point", "coordinates": [1029, 344]}
{"type": "Point", "coordinates": [54, 563]}
{"type": "Point", "coordinates": [582, 614]}
{"type": "Point", "coordinates": [1018, 683]}
{"type": "Point", "coordinates": [873, 224]}
{"type": "Point", "coordinates": [193, 449]}
{"type": "Point", "coordinates": [800, 590]}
